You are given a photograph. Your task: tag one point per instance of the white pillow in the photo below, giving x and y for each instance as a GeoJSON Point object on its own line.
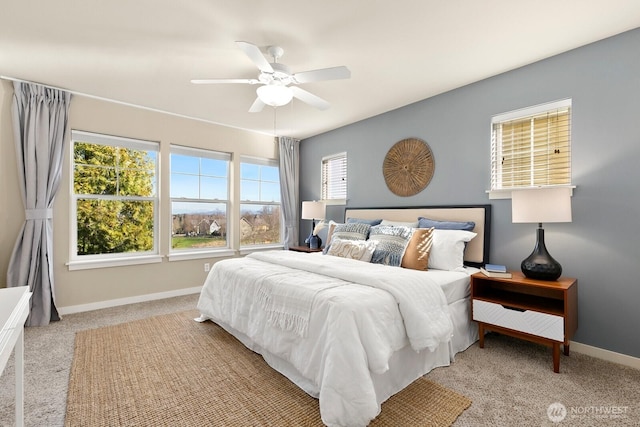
{"type": "Point", "coordinates": [400, 223]}
{"type": "Point", "coordinates": [447, 249]}
{"type": "Point", "coordinates": [361, 250]}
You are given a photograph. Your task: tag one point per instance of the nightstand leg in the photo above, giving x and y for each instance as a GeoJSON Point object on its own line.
{"type": "Point", "coordinates": [556, 357]}
{"type": "Point", "coordinates": [481, 335]}
{"type": "Point", "coordinates": [566, 349]}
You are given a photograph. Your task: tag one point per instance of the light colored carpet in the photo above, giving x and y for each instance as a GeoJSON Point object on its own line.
{"type": "Point", "coordinates": [49, 353]}
{"type": "Point", "coordinates": [510, 382]}
{"type": "Point", "coordinates": [169, 370]}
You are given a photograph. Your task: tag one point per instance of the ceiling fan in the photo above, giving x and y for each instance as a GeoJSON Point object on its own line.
{"type": "Point", "coordinates": [278, 86]}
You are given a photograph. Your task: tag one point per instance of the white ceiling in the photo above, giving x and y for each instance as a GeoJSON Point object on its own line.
{"type": "Point", "coordinates": [145, 52]}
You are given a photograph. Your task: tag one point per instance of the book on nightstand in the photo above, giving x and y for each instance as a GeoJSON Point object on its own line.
{"type": "Point", "coordinates": [496, 268]}
{"type": "Point", "coordinates": [501, 274]}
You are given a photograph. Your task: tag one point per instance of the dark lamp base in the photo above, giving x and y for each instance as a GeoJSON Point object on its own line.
{"type": "Point", "coordinates": [540, 265]}
{"type": "Point", "coordinates": [314, 242]}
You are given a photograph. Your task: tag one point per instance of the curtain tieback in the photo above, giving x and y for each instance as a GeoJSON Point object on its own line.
{"type": "Point", "coordinates": [46, 213]}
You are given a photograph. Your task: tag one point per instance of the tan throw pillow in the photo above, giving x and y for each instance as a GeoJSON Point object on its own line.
{"type": "Point", "coordinates": [416, 256]}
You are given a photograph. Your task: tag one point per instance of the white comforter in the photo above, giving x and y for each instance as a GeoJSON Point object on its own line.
{"type": "Point", "coordinates": [352, 330]}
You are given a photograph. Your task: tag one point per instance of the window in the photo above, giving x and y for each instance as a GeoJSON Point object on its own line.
{"type": "Point", "coordinates": [199, 199]}
{"type": "Point", "coordinates": [260, 214]}
{"type": "Point", "coordinates": [532, 147]}
{"type": "Point", "coordinates": [114, 202]}
{"type": "Point", "coordinates": [334, 177]}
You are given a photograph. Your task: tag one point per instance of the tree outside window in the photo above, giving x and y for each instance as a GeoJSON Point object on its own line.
{"type": "Point", "coordinates": [114, 190]}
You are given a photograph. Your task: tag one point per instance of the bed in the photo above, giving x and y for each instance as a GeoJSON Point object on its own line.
{"type": "Point", "coordinates": [349, 332]}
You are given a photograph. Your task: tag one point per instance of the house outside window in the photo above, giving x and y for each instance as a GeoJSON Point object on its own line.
{"type": "Point", "coordinates": [199, 199]}
{"type": "Point", "coordinates": [114, 203]}
{"type": "Point", "coordinates": [532, 147]}
{"type": "Point", "coordinates": [260, 206]}
{"type": "Point", "coordinates": [334, 179]}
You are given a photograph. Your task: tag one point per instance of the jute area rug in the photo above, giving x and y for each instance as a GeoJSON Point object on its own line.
{"type": "Point", "coordinates": [169, 370]}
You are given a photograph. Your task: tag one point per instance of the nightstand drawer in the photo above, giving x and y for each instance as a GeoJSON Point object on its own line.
{"type": "Point", "coordinates": [530, 322]}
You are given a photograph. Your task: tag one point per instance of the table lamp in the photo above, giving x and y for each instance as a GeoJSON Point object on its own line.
{"type": "Point", "coordinates": [549, 204]}
{"type": "Point", "coordinates": [313, 210]}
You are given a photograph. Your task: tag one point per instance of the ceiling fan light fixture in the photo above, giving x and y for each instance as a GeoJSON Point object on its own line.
{"type": "Point", "coordinates": [274, 79]}
{"type": "Point", "coordinates": [275, 95]}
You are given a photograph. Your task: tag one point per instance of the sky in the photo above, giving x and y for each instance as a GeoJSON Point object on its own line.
{"type": "Point", "coordinates": [206, 178]}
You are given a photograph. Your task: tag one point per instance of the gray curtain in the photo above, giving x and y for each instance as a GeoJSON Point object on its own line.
{"type": "Point", "coordinates": [40, 123]}
{"type": "Point", "coordinates": [289, 183]}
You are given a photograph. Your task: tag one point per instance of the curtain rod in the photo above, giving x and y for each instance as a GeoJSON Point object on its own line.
{"type": "Point", "coordinates": [128, 104]}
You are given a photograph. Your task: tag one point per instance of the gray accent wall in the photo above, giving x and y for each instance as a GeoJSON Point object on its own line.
{"type": "Point", "coordinates": [601, 247]}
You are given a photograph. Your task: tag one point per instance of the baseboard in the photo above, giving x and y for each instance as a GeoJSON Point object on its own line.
{"type": "Point", "coordinates": [611, 356]}
{"type": "Point", "coordinates": [129, 300]}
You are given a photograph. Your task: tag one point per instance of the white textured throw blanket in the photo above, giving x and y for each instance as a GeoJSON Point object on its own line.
{"type": "Point", "coordinates": [420, 300]}
{"type": "Point", "coordinates": [288, 303]}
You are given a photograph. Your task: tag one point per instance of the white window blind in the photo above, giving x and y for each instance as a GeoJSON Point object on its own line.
{"type": "Point", "coordinates": [334, 177]}
{"type": "Point", "coordinates": [532, 147]}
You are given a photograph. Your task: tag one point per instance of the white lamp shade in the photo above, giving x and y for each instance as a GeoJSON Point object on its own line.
{"type": "Point", "coordinates": [313, 210]}
{"type": "Point", "coordinates": [275, 95]}
{"type": "Point", "coordinates": [540, 205]}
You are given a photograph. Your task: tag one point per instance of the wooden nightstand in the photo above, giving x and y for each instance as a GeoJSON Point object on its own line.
{"type": "Point", "coordinates": [544, 312]}
{"type": "Point", "coordinates": [303, 249]}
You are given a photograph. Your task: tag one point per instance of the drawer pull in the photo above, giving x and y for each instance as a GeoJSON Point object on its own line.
{"type": "Point", "coordinates": [521, 310]}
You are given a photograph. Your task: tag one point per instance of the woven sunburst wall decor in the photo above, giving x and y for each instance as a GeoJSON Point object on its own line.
{"type": "Point", "coordinates": [408, 167]}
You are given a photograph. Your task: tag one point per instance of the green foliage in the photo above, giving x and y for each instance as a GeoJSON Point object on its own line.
{"type": "Point", "coordinates": [114, 223]}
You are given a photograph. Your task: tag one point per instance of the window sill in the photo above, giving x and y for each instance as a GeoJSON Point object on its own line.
{"type": "Point", "coordinates": [113, 262]}
{"type": "Point", "coordinates": [249, 249]}
{"type": "Point", "coordinates": [335, 202]}
{"type": "Point", "coordinates": [185, 256]}
{"type": "Point", "coordinates": [499, 194]}
{"type": "Point", "coordinates": [506, 194]}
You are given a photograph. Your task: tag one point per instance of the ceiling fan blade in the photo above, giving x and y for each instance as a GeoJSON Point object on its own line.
{"type": "Point", "coordinates": [257, 106]}
{"type": "Point", "coordinates": [217, 81]}
{"type": "Point", "coordinates": [333, 73]}
{"type": "Point", "coordinates": [256, 56]}
{"type": "Point", "coordinates": [309, 98]}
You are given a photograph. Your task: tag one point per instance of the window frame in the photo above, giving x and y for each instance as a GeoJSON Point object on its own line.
{"type": "Point", "coordinates": [260, 162]}
{"type": "Point", "coordinates": [498, 191]}
{"type": "Point", "coordinates": [80, 262]}
{"type": "Point", "coordinates": [191, 253]}
{"type": "Point", "coordinates": [324, 179]}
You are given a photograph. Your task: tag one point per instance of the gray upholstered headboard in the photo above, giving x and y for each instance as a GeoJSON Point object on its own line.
{"type": "Point", "coordinates": [477, 251]}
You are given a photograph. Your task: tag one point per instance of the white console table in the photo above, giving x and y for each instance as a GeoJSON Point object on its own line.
{"type": "Point", "coordinates": [14, 309]}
